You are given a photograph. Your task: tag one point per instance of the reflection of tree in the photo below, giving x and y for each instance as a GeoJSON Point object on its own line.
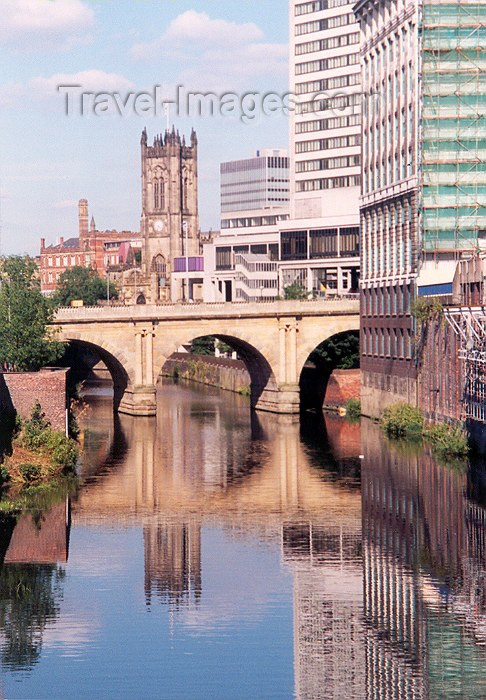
{"type": "Point", "coordinates": [29, 600]}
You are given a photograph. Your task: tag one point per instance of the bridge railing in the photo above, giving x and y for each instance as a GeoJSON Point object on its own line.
{"type": "Point", "coordinates": [348, 305]}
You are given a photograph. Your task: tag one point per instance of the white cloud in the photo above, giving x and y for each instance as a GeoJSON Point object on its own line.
{"type": "Point", "coordinates": [32, 25]}
{"type": "Point", "coordinates": [88, 80]}
{"type": "Point", "coordinates": [42, 88]}
{"type": "Point", "coordinates": [196, 30]}
{"type": "Point", "coordinates": [216, 54]}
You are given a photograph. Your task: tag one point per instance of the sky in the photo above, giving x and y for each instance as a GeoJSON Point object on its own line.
{"type": "Point", "coordinates": [51, 156]}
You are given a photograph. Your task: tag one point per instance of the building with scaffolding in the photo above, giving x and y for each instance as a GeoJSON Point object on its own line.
{"type": "Point", "coordinates": [423, 204]}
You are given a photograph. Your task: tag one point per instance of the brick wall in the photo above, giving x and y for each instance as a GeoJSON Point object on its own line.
{"type": "Point", "coordinates": [343, 384]}
{"type": "Point", "coordinates": [19, 391]}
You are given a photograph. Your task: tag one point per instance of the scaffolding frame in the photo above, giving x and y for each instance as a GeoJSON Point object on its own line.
{"type": "Point", "coordinates": [469, 325]}
{"type": "Point", "coordinates": [453, 141]}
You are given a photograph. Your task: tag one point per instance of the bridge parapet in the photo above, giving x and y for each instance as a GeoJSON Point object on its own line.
{"type": "Point", "coordinates": [314, 307]}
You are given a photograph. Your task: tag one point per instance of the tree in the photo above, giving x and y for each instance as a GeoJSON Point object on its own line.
{"type": "Point", "coordinates": [26, 343]}
{"type": "Point", "coordinates": [82, 283]}
{"type": "Point", "coordinates": [339, 352]}
{"type": "Point", "coordinates": [203, 346]}
{"type": "Point", "coordinates": [295, 291]}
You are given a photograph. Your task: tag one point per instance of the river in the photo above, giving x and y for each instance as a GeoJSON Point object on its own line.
{"type": "Point", "coordinates": [214, 554]}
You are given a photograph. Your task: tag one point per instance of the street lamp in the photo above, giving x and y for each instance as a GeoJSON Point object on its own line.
{"type": "Point", "coordinates": [185, 229]}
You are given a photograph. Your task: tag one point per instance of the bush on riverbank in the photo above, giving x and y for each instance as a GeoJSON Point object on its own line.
{"type": "Point", "coordinates": [39, 453]}
{"type": "Point", "coordinates": [353, 409]}
{"type": "Point", "coordinates": [404, 421]}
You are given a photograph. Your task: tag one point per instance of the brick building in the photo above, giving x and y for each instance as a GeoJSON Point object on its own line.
{"type": "Point", "coordinates": [104, 251]}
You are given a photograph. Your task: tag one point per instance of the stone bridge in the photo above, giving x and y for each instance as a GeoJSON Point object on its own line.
{"type": "Point", "coordinates": [274, 340]}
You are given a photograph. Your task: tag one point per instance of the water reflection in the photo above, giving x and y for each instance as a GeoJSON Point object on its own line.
{"type": "Point", "coordinates": [32, 546]}
{"type": "Point", "coordinates": [383, 559]}
{"type": "Point", "coordinates": [424, 576]}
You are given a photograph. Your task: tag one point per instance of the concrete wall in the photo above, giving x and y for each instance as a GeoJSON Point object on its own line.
{"type": "Point", "coordinates": [381, 390]}
{"type": "Point", "coordinates": [19, 391]}
{"type": "Point", "coordinates": [231, 375]}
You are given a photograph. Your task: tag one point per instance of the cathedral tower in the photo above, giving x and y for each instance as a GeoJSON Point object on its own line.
{"type": "Point", "coordinates": [169, 210]}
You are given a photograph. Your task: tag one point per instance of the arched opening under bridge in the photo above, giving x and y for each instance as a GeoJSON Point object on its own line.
{"type": "Point", "coordinates": [228, 362]}
{"type": "Point", "coordinates": [339, 352]}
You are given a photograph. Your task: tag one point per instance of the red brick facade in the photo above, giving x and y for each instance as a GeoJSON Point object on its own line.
{"type": "Point", "coordinates": [20, 391]}
{"type": "Point", "coordinates": [100, 250]}
{"type": "Point", "coordinates": [343, 384]}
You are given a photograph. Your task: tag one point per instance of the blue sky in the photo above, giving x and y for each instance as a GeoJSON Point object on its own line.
{"type": "Point", "coordinates": [49, 160]}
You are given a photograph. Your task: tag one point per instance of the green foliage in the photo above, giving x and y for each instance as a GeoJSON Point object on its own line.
{"type": "Point", "coordinates": [82, 283]}
{"type": "Point", "coordinates": [447, 440]}
{"type": "Point", "coordinates": [402, 420]}
{"type": "Point", "coordinates": [353, 409]}
{"type": "Point", "coordinates": [4, 475]}
{"type": "Point", "coordinates": [339, 352]}
{"type": "Point", "coordinates": [30, 472]}
{"type": "Point", "coordinates": [36, 435]}
{"type": "Point", "coordinates": [425, 309]}
{"type": "Point", "coordinates": [26, 343]}
{"type": "Point", "coordinates": [295, 291]}
{"type": "Point", "coordinates": [203, 346]}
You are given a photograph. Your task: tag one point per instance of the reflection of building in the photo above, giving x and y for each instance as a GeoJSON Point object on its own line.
{"type": "Point", "coordinates": [329, 654]}
{"type": "Point", "coordinates": [43, 541]}
{"type": "Point", "coordinates": [173, 562]}
{"type": "Point", "coordinates": [425, 607]}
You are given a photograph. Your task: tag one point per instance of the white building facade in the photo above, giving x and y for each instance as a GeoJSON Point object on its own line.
{"type": "Point", "coordinates": [320, 242]}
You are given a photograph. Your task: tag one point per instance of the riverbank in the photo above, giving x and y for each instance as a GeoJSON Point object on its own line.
{"type": "Point", "coordinates": [36, 458]}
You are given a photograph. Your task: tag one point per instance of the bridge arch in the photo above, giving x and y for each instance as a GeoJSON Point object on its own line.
{"type": "Point", "coordinates": [316, 370]}
{"type": "Point", "coordinates": [114, 359]}
{"type": "Point", "coordinates": [264, 385]}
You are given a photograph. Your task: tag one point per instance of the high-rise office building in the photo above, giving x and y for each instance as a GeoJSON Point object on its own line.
{"type": "Point", "coordinates": [423, 203]}
{"type": "Point", "coordinates": [253, 184]}
{"type": "Point", "coordinates": [320, 243]}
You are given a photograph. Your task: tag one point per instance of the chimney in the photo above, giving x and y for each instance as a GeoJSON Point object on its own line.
{"type": "Point", "coordinates": [43, 244]}
{"type": "Point", "coordinates": [83, 218]}
{"type": "Point", "coordinates": [61, 241]}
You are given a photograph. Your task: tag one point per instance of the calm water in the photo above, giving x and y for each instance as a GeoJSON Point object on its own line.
{"type": "Point", "coordinates": [210, 554]}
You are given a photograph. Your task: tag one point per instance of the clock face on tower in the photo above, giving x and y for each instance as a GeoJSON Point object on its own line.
{"type": "Point", "coordinates": [158, 225]}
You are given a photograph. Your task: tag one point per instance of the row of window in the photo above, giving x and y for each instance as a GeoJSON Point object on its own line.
{"type": "Point", "coordinates": [327, 124]}
{"type": "Point", "coordinates": [65, 260]}
{"type": "Point", "coordinates": [306, 8]}
{"type": "Point", "coordinates": [328, 183]}
{"type": "Point", "coordinates": [225, 255]}
{"type": "Point", "coordinates": [339, 81]}
{"type": "Point", "coordinates": [387, 342]}
{"type": "Point", "coordinates": [387, 231]}
{"type": "Point", "coordinates": [320, 25]}
{"type": "Point", "coordinates": [386, 301]}
{"type": "Point", "coordinates": [328, 144]}
{"type": "Point", "coordinates": [320, 243]}
{"type": "Point", "coordinates": [308, 166]}
{"type": "Point", "coordinates": [321, 44]}
{"type": "Point", "coordinates": [338, 102]}
{"type": "Point", "coordinates": [322, 64]}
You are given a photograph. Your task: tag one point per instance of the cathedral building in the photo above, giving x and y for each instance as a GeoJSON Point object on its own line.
{"type": "Point", "coordinates": [169, 223]}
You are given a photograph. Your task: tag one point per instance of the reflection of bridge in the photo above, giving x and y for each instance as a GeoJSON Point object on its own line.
{"type": "Point", "coordinates": [274, 340]}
